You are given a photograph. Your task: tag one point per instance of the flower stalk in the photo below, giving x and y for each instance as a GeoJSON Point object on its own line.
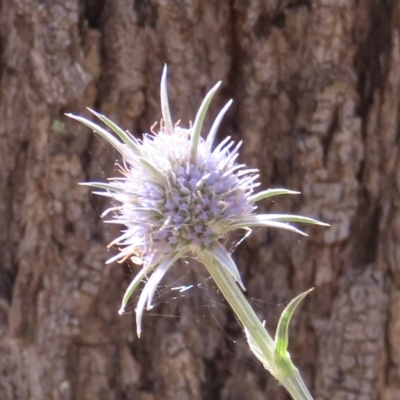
{"type": "Point", "coordinates": [262, 345]}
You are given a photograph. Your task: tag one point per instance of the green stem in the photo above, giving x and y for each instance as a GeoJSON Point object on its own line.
{"type": "Point", "coordinates": [287, 374]}
{"type": "Point", "coordinates": [239, 305]}
{"type": "Point", "coordinates": [295, 385]}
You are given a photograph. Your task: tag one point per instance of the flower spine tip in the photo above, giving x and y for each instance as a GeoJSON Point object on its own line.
{"type": "Point", "coordinates": [165, 103]}
{"type": "Point", "coordinates": [124, 136]}
{"type": "Point", "coordinates": [198, 122]}
{"type": "Point", "coordinates": [213, 131]}
{"type": "Point", "coordinates": [102, 132]}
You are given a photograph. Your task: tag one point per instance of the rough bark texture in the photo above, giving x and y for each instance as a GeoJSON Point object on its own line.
{"type": "Point", "coordinates": [316, 85]}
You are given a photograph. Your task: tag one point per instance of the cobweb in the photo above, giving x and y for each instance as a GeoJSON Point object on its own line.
{"type": "Point", "coordinates": [207, 306]}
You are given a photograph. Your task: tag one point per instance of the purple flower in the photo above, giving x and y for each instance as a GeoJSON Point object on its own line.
{"type": "Point", "coordinates": [180, 197]}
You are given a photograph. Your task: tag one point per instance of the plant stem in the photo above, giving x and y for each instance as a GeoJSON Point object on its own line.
{"type": "Point", "coordinates": [287, 374]}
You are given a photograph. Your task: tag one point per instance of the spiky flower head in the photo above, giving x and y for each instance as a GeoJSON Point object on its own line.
{"type": "Point", "coordinates": [178, 195]}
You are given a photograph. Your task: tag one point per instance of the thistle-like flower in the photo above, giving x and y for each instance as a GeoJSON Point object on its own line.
{"type": "Point", "coordinates": [179, 195]}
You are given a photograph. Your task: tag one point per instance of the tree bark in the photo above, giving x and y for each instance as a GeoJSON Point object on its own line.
{"type": "Point", "coordinates": [316, 89]}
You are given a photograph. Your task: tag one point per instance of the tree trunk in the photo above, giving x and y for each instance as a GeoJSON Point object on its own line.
{"type": "Point", "coordinates": [316, 89]}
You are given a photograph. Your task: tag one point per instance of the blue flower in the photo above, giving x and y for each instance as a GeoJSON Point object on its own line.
{"type": "Point", "coordinates": [179, 196]}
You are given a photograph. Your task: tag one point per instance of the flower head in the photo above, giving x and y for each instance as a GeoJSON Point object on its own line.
{"type": "Point", "coordinates": [178, 195]}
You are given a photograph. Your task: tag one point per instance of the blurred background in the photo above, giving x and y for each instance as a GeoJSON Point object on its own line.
{"type": "Point", "coordinates": [316, 89]}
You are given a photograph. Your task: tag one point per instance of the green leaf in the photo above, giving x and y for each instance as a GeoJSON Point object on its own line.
{"type": "Point", "coordinates": [270, 193]}
{"type": "Point", "coordinates": [255, 220]}
{"type": "Point", "coordinates": [198, 122]}
{"type": "Point", "coordinates": [282, 330]}
{"type": "Point", "coordinates": [291, 218]}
